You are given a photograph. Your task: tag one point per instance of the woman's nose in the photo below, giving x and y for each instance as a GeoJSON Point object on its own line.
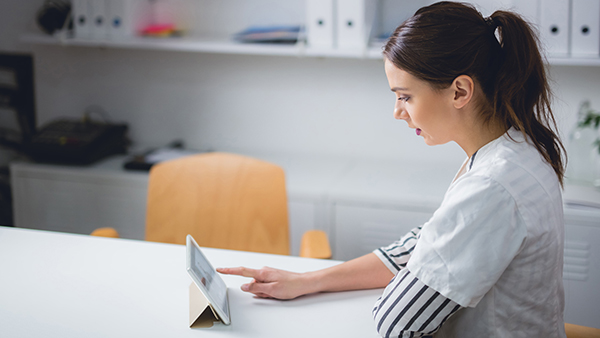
{"type": "Point", "coordinates": [400, 112]}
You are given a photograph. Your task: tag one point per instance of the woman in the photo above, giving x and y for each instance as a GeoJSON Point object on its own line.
{"type": "Point", "coordinates": [489, 261]}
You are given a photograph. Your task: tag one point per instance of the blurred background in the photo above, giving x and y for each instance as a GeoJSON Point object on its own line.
{"type": "Point", "coordinates": [284, 81]}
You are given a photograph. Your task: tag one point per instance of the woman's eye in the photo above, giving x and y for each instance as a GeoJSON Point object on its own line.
{"type": "Point", "coordinates": [404, 98]}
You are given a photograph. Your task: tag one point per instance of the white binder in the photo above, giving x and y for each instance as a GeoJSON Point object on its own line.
{"type": "Point", "coordinates": [121, 18]}
{"type": "Point", "coordinates": [554, 26]}
{"type": "Point", "coordinates": [320, 24]}
{"type": "Point", "coordinates": [81, 18]}
{"type": "Point", "coordinates": [585, 28]}
{"type": "Point", "coordinates": [99, 11]}
{"type": "Point", "coordinates": [354, 22]}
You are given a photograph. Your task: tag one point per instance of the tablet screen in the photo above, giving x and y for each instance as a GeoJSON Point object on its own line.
{"type": "Point", "coordinates": [207, 279]}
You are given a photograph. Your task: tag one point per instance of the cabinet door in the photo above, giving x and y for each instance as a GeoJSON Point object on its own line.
{"type": "Point", "coordinates": [302, 215]}
{"type": "Point", "coordinates": [581, 274]}
{"type": "Point", "coordinates": [359, 230]}
{"type": "Point", "coordinates": [306, 213]}
{"type": "Point", "coordinates": [81, 203]}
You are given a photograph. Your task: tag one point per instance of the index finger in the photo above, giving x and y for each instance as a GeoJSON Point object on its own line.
{"type": "Point", "coordinates": [239, 271]}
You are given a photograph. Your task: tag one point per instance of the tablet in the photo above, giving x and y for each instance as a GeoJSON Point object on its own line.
{"type": "Point", "coordinates": [208, 281]}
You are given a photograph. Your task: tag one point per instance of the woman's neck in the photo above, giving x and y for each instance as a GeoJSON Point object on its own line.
{"type": "Point", "coordinates": [478, 135]}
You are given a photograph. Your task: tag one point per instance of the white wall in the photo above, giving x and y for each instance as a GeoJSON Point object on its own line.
{"type": "Point", "coordinates": [229, 102]}
{"type": "Point", "coordinates": [341, 107]}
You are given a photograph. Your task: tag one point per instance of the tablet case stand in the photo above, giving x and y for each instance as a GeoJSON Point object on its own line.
{"type": "Point", "coordinates": [202, 313]}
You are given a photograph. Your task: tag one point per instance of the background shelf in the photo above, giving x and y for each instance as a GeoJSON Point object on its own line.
{"type": "Point", "coordinates": [228, 46]}
{"type": "Point", "coordinates": [173, 44]}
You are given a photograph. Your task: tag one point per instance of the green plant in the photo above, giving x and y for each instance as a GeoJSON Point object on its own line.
{"type": "Point", "coordinates": [591, 119]}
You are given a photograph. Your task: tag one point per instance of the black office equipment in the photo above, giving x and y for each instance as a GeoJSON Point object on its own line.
{"type": "Point", "coordinates": [54, 15]}
{"type": "Point", "coordinates": [17, 100]}
{"type": "Point", "coordinates": [17, 117]}
{"type": "Point", "coordinates": [72, 141]}
{"type": "Point", "coordinates": [69, 141]}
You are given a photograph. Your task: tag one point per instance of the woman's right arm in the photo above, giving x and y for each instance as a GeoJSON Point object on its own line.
{"type": "Point", "coordinates": [365, 272]}
{"type": "Point", "coordinates": [371, 271]}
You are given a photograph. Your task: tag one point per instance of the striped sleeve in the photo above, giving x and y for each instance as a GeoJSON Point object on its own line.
{"type": "Point", "coordinates": [409, 308]}
{"type": "Point", "coordinates": [396, 255]}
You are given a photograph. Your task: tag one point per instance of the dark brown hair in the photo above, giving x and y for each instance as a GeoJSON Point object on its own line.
{"type": "Point", "coordinates": [448, 39]}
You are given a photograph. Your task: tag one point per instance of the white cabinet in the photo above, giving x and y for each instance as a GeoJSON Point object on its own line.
{"type": "Point", "coordinates": [376, 202]}
{"type": "Point", "coordinates": [79, 200]}
{"type": "Point", "coordinates": [359, 230]}
{"type": "Point", "coordinates": [581, 274]}
{"type": "Point", "coordinates": [304, 214]}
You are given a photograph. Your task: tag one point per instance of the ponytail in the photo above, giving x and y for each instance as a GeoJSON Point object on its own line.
{"type": "Point", "coordinates": [448, 39]}
{"type": "Point", "coordinates": [521, 98]}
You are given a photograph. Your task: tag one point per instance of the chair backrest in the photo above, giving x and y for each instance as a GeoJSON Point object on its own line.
{"type": "Point", "coordinates": [223, 200]}
{"type": "Point", "coordinates": [578, 331]}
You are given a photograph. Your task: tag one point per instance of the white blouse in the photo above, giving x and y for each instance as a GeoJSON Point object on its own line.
{"type": "Point", "coordinates": [494, 247]}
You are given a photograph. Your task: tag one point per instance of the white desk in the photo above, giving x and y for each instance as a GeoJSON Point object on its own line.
{"type": "Point", "coordinates": [65, 285]}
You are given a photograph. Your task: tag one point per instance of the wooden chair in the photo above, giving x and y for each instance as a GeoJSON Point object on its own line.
{"type": "Point", "coordinates": [224, 201]}
{"type": "Point", "coordinates": [578, 331]}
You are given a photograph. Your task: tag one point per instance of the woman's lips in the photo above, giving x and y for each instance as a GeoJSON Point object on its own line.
{"type": "Point", "coordinates": [418, 131]}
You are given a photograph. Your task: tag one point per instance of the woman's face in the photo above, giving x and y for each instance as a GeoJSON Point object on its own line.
{"type": "Point", "coordinates": [426, 110]}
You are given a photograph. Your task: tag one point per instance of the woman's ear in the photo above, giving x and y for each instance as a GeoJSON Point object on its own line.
{"type": "Point", "coordinates": [463, 87]}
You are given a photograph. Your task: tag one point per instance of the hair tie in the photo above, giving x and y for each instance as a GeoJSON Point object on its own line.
{"type": "Point", "coordinates": [491, 23]}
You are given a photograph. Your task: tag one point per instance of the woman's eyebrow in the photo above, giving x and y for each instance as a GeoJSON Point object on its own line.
{"type": "Point", "coordinates": [399, 88]}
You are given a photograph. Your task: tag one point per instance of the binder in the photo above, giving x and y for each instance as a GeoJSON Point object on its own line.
{"type": "Point", "coordinates": [99, 10]}
{"type": "Point", "coordinates": [585, 28]}
{"type": "Point", "coordinates": [81, 18]}
{"type": "Point", "coordinates": [554, 26]}
{"type": "Point", "coordinates": [320, 23]}
{"type": "Point", "coordinates": [121, 18]}
{"type": "Point", "coordinates": [354, 21]}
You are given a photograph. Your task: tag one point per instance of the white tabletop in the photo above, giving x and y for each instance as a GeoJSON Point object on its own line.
{"type": "Point", "coordinates": [65, 285]}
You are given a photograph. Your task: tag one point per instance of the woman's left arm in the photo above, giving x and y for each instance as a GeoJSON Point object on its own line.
{"type": "Point", "coordinates": [396, 255]}
{"type": "Point", "coordinates": [409, 308]}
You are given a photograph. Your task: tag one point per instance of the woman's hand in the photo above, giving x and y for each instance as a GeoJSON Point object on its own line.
{"type": "Point", "coordinates": [272, 283]}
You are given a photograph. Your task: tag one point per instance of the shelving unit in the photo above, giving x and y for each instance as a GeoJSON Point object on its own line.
{"type": "Point", "coordinates": [207, 45]}
{"type": "Point", "coordinates": [173, 44]}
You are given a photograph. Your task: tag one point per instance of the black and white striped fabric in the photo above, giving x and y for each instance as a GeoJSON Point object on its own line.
{"type": "Point", "coordinates": [409, 308]}
{"type": "Point", "coordinates": [396, 255]}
